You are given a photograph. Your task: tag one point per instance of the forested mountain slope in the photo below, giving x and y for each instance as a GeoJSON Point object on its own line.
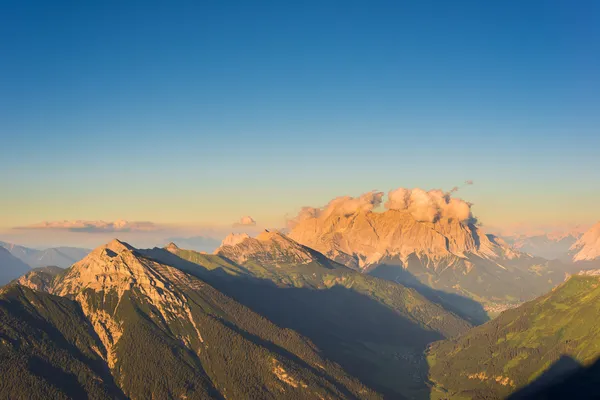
{"type": "Point", "coordinates": [509, 352]}
{"type": "Point", "coordinates": [162, 333]}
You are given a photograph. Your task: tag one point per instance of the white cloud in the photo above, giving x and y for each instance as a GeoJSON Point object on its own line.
{"type": "Point", "coordinates": [344, 205]}
{"type": "Point", "coordinates": [429, 206]}
{"type": "Point", "coordinates": [425, 206]}
{"type": "Point", "coordinates": [245, 221]}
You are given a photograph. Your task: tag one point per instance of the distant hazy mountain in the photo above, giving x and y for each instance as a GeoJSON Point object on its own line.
{"type": "Point", "coordinates": [448, 255]}
{"type": "Point", "coordinates": [10, 267]}
{"type": "Point", "coordinates": [120, 325]}
{"type": "Point", "coordinates": [197, 243]}
{"type": "Point", "coordinates": [375, 329]}
{"type": "Point", "coordinates": [515, 349]}
{"type": "Point", "coordinates": [62, 257]}
{"type": "Point", "coordinates": [587, 248]}
{"type": "Point", "coordinates": [550, 246]}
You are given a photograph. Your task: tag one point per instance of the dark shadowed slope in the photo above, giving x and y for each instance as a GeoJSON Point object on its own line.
{"type": "Point", "coordinates": [49, 350]}
{"type": "Point", "coordinates": [577, 382]}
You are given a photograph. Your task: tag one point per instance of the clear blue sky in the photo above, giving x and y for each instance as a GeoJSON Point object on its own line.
{"type": "Point", "coordinates": [207, 111]}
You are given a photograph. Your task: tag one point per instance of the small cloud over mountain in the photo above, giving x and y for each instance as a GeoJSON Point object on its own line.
{"type": "Point", "coordinates": [344, 205]}
{"type": "Point", "coordinates": [245, 221]}
{"type": "Point", "coordinates": [94, 226]}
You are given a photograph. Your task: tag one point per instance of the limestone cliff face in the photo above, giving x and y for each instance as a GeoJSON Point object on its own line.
{"type": "Point", "coordinates": [587, 248]}
{"type": "Point", "coordinates": [447, 255]}
{"type": "Point", "coordinates": [364, 238]}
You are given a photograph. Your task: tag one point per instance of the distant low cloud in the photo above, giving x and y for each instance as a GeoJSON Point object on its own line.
{"type": "Point", "coordinates": [94, 226]}
{"type": "Point", "coordinates": [245, 221]}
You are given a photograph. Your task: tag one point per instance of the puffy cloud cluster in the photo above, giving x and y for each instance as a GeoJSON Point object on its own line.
{"type": "Point", "coordinates": [424, 206]}
{"type": "Point", "coordinates": [429, 206]}
{"type": "Point", "coordinates": [345, 205]}
{"type": "Point", "coordinates": [245, 221]}
{"type": "Point", "coordinates": [95, 226]}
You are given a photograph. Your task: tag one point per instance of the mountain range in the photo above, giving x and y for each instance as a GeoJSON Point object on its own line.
{"type": "Point", "coordinates": [263, 317]}
{"type": "Point", "coordinates": [375, 329]}
{"type": "Point", "coordinates": [362, 305]}
{"type": "Point", "coordinates": [550, 246]}
{"type": "Point", "coordinates": [120, 325]}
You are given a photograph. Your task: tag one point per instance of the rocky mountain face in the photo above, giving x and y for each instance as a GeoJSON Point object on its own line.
{"type": "Point", "coordinates": [152, 330]}
{"type": "Point", "coordinates": [587, 248]}
{"type": "Point", "coordinates": [10, 267]}
{"type": "Point", "coordinates": [270, 248]}
{"type": "Point", "coordinates": [453, 256]}
{"type": "Point", "coordinates": [62, 257]}
{"type": "Point", "coordinates": [40, 279]}
{"type": "Point", "coordinates": [363, 239]}
{"type": "Point", "coordinates": [375, 329]}
{"type": "Point", "coordinates": [543, 338]}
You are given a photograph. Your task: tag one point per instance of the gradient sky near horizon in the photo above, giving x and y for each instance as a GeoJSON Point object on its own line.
{"type": "Point", "coordinates": [202, 112]}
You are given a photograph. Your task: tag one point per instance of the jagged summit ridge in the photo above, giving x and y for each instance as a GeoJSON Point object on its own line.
{"type": "Point", "coordinates": [234, 238]}
{"type": "Point", "coordinates": [118, 246]}
{"type": "Point", "coordinates": [115, 265]}
{"type": "Point", "coordinates": [172, 247]}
